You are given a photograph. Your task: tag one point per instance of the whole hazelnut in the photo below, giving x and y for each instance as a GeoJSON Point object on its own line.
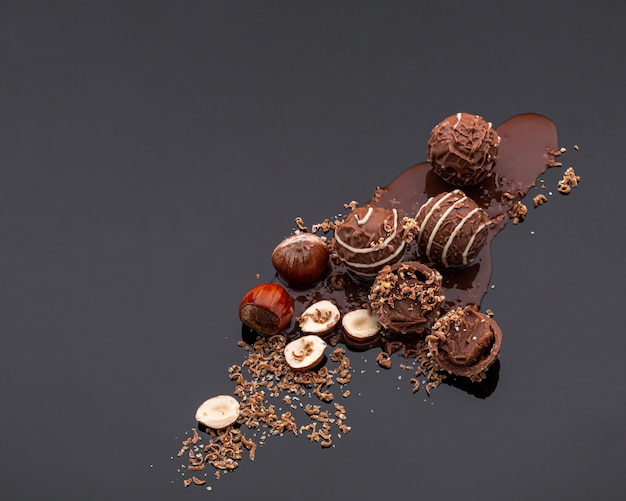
{"type": "Point", "coordinates": [266, 308]}
{"type": "Point", "coordinates": [301, 258]}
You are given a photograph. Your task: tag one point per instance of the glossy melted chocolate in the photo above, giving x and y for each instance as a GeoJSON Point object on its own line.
{"type": "Point", "coordinates": [528, 143]}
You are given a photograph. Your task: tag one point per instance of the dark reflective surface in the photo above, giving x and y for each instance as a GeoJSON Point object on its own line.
{"type": "Point", "coordinates": [152, 156]}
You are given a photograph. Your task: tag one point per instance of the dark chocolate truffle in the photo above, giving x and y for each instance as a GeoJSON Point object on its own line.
{"type": "Point", "coordinates": [465, 342]}
{"type": "Point", "coordinates": [406, 297]}
{"type": "Point", "coordinates": [368, 239]}
{"type": "Point", "coordinates": [452, 229]}
{"type": "Point", "coordinates": [463, 149]}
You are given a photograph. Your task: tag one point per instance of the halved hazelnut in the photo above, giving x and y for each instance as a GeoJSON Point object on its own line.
{"type": "Point", "coordinates": [218, 412]}
{"type": "Point", "coordinates": [301, 258]}
{"type": "Point", "coordinates": [320, 317]}
{"type": "Point", "coordinates": [360, 324]}
{"type": "Point", "coordinates": [266, 308]}
{"type": "Point", "coordinates": [305, 352]}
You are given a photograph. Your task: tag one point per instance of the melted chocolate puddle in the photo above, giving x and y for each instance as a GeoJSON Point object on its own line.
{"type": "Point", "coordinates": [526, 150]}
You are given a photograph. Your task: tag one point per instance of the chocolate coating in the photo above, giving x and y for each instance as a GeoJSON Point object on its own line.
{"type": "Point", "coordinates": [465, 342]}
{"type": "Point", "coordinates": [463, 149]}
{"type": "Point", "coordinates": [368, 239]}
{"type": "Point", "coordinates": [452, 229]}
{"type": "Point", "coordinates": [407, 296]}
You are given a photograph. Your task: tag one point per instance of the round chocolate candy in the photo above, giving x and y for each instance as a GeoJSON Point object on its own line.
{"type": "Point", "coordinates": [452, 229]}
{"type": "Point", "coordinates": [465, 342]}
{"type": "Point", "coordinates": [463, 149]}
{"type": "Point", "coordinates": [368, 239]}
{"type": "Point", "coordinates": [406, 297]}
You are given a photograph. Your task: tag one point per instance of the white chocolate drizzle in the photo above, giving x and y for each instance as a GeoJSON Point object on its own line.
{"type": "Point", "coordinates": [440, 221]}
{"type": "Point", "coordinates": [378, 247]}
{"type": "Point", "coordinates": [375, 264]}
{"type": "Point", "coordinates": [431, 211]}
{"type": "Point", "coordinates": [471, 240]}
{"type": "Point", "coordinates": [365, 219]}
{"type": "Point", "coordinates": [458, 120]}
{"type": "Point", "coordinates": [453, 235]}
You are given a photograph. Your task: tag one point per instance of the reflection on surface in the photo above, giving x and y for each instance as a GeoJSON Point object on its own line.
{"type": "Point", "coordinates": [480, 389]}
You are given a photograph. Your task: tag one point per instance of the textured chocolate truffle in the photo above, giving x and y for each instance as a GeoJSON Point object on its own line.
{"type": "Point", "coordinates": [452, 229]}
{"type": "Point", "coordinates": [463, 149]}
{"type": "Point", "coordinates": [406, 296]}
{"type": "Point", "coordinates": [368, 239]}
{"type": "Point", "coordinates": [465, 342]}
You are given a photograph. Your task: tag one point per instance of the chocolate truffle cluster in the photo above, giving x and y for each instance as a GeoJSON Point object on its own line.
{"type": "Point", "coordinates": [383, 267]}
{"type": "Point", "coordinates": [463, 149]}
{"type": "Point", "coordinates": [405, 273]}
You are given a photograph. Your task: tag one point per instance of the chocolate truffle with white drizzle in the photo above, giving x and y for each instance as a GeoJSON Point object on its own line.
{"type": "Point", "coordinates": [368, 239]}
{"type": "Point", "coordinates": [463, 149]}
{"type": "Point", "coordinates": [452, 229]}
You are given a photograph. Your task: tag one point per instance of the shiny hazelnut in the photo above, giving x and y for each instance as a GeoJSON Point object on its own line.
{"type": "Point", "coordinates": [301, 259]}
{"type": "Point", "coordinates": [266, 308]}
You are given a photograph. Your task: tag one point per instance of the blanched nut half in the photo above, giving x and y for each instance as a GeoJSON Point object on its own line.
{"type": "Point", "coordinates": [305, 352]}
{"type": "Point", "coordinates": [320, 317]}
{"type": "Point", "coordinates": [218, 412]}
{"type": "Point", "coordinates": [360, 324]}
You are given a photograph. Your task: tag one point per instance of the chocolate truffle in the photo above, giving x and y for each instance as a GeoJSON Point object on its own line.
{"type": "Point", "coordinates": [452, 229]}
{"type": "Point", "coordinates": [406, 296]}
{"type": "Point", "coordinates": [465, 342]}
{"type": "Point", "coordinates": [463, 149]}
{"type": "Point", "coordinates": [368, 239]}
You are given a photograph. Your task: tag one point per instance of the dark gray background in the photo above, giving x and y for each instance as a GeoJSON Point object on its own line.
{"type": "Point", "coordinates": [152, 154]}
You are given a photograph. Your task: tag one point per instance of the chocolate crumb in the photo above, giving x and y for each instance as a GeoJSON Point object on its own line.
{"type": "Point", "coordinates": [518, 212]}
{"type": "Point", "coordinates": [570, 180]}
{"type": "Point", "coordinates": [300, 224]}
{"type": "Point", "coordinates": [384, 360]}
{"type": "Point", "coordinates": [556, 153]}
{"type": "Point", "coordinates": [539, 200]}
{"type": "Point", "coordinates": [325, 226]}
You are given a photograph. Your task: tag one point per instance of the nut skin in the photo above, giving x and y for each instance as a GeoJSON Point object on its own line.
{"type": "Point", "coordinates": [266, 308]}
{"type": "Point", "coordinates": [301, 259]}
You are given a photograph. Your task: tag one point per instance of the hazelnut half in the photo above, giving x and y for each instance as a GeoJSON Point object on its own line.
{"type": "Point", "coordinates": [305, 352]}
{"type": "Point", "coordinates": [266, 308]}
{"type": "Point", "coordinates": [218, 412]}
{"type": "Point", "coordinates": [301, 258]}
{"type": "Point", "coordinates": [360, 324]}
{"type": "Point", "coordinates": [319, 318]}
